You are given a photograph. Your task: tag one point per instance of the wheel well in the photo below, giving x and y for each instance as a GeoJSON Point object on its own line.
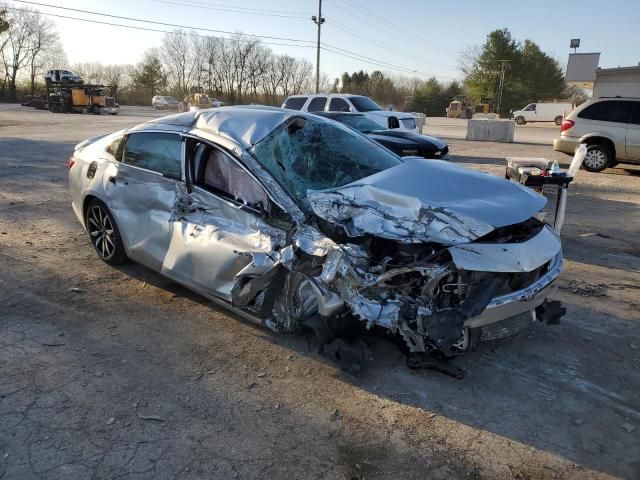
{"type": "Point", "coordinates": [601, 140]}
{"type": "Point", "coordinates": [87, 201]}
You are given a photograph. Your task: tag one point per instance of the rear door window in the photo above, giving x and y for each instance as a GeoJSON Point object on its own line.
{"type": "Point", "coordinates": [317, 104]}
{"type": "Point", "coordinates": [339, 105]}
{"type": "Point", "coordinates": [607, 111]}
{"type": "Point", "coordinates": [295, 103]}
{"type": "Point", "coordinates": [158, 152]}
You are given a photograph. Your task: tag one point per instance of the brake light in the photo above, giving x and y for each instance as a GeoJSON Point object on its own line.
{"type": "Point", "coordinates": [70, 163]}
{"type": "Point", "coordinates": [566, 125]}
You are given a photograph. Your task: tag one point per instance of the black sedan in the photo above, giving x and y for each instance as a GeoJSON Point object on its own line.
{"type": "Point", "coordinates": [403, 143]}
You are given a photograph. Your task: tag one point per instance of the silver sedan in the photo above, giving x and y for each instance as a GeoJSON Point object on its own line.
{"type": "Point", "coordinates": [290, 219]}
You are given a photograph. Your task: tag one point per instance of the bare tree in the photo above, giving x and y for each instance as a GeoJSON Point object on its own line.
{"type": "Point", "coordinates": [91, 72]}
{"type": "Point", "coordinates": [177, 55]}
{"type": "Point", "coordinates": [114, 76]}
{"type": "Point", "coordinates": [16, 53]}
{"type": "Point", "coordinates": [44, 46]}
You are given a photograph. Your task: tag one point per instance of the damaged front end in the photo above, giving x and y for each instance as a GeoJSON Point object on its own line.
{"type": "Point", "coordinates": [443, 273]}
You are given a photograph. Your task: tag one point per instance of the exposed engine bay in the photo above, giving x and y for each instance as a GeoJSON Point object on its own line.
{"type": "Point", "coordinates": [415, 290]}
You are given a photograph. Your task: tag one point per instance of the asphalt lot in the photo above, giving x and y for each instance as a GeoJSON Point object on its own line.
{"type": "Point", "coordinates": [119, 373]}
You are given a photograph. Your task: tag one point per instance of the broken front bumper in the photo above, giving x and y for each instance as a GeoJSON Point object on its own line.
{"type": "Point", "coordinates": [505, 308]}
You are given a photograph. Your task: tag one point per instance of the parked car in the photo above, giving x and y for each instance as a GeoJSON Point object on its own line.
{"type": "Point", "coordinates": [610, 127]}
{"type": "Point", "coordinates": [62, 76]}
{"type": "Point", "coordinates": [290, 219]}
{"type": "Point", "coordinates": [542, 112]}
{"type": "Point", "coordinates": [164, 102]}
{"type": "Point", "coordinates": [110, 106]}
{"type": "Point", "coordinates": [400, 142]}
{"type": "Point", "coordinates": [352, 103]}
{"type": "Point", "coordinates": [217, 103]}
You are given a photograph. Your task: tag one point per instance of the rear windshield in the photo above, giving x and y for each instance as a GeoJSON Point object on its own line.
{"type": "Point", "coordinates": [295, 103]}
{"type": "Point", "coordinates": [364, 104]}
{"type": "Point", "coordinates": [309, 154]}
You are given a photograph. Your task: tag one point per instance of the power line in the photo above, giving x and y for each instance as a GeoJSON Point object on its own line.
{"type": "Point", "coordinates": [372, 61]}
{"type": "Point", "coordinates": [386, 22]}
{"type": "Point", "coordinates": [234, 9]}
{"type": "Point", "coordinates": [119, 17]}
{"type": "Point", "coordinates": [344, 28]}
{"type": "Point", "coordinates": [328, 47]}
{"type": "Point", "coordinates": [148, 29]}
{"type": "Point", "coordinates": [384, 27]}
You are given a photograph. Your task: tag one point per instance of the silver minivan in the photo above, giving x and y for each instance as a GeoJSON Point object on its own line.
{"type": "Point", "coordinates": [609, 126]}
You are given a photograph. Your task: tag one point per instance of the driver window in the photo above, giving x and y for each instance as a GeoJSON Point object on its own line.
{"type": "Point", "coordinates": [217, 172]}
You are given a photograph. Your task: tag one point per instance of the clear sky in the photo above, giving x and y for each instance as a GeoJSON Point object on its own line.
{"type": "Point", "coordinates": [426, 36]}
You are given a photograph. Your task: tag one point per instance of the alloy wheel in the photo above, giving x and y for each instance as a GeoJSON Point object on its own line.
{"type": "Point", "coordinates": [102, 232]}
{"type": "Point", "coordinates": [595, 159]}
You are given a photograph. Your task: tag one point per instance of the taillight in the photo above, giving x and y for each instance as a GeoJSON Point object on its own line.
{"type": "Point", "coordinates": [566, 125]}
{"type": "Point", "coordinates": [70, 163]}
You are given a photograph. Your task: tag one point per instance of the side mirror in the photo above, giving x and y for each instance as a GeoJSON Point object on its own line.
{"type": "Point", "coordinates": [345, 109]}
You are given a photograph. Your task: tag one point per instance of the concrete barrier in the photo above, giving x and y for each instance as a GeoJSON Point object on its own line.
{"type": "Point", "coordinates": [490, 130]}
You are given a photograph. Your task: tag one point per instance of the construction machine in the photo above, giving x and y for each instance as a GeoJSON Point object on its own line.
{"type": "Point", "coordinates": [194, 100]}
{"type": "Point", "coordinates": [459, 108]}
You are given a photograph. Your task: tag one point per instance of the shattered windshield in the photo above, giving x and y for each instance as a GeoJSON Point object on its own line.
{"type": "Point", "coordinates": [307, 154]}
{"type": "Point", "coordinates": [360, 122]}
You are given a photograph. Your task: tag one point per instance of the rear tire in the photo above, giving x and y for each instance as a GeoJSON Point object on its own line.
{"type": "Point", "coordinates": [521, 121]}
{"type": "Point", "coordinates": [558, 120]}
{"type": "Point", "coordinates": [597, 159]}
{"type": "Point", "coordinates": [104, 234]}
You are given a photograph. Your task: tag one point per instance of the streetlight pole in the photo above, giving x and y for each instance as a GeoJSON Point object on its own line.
{"type": "Point", "coordinates": [318, 21]}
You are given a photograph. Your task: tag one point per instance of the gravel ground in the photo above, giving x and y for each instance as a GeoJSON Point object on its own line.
{"type": "Point", "coordinates": [119, 373]}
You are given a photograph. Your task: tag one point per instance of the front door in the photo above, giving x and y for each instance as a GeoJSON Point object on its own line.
{"type": "Point", "coordinates": [142, 190]}
{"type": "Point", "coordinates": [633, 134]}
{"type": "Point", "coordinates": [222, 226]}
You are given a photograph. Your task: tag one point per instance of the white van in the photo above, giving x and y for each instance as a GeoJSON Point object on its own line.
{"type": "Point", "coordinates": [344, 102]}
{"type": "Point", "coordinates": [543, 112]}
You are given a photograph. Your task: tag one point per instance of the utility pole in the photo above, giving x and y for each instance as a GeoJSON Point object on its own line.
{"type": "Point", "coordinates": [318, 21]}
{"type": "Point", "coordinates": [503, 64]}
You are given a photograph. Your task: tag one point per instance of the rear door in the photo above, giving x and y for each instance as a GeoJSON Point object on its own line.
{"type": "Point", "coordinates": [633, 134]}
{"type": "Point", "coordinates": [224, 225]}
{"type": "Point", "coordinates": [142, 190]}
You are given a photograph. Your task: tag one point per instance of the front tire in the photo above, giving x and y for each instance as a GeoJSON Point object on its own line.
{"type": "Point", "coordinates": [521, 121]}
{"type": "Point", "coordinates": [597, 159]}
{"type": "Point", "coordinates": [104, 234]}
{"type": "Point", "coordinates": [558, 120]}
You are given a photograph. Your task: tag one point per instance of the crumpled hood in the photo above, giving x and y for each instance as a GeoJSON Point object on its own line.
{"type": "Point", "coordinates": [426, 201]}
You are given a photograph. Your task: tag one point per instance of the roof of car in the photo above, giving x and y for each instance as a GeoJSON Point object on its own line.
{"type": "Point", "coordinates": [244, 125]}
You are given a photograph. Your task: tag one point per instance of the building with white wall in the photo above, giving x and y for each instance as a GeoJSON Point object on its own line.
{"type": "Point", "coordinates": [583, 71]}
